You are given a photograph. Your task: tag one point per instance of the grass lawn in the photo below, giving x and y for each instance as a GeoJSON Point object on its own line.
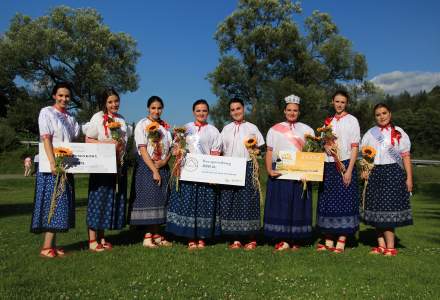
{"type": "Point", "coordinates": [131, 271]}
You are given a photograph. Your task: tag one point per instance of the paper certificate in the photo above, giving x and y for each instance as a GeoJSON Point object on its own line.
{"type": "Point", "coordinates": [298, 165]}
{"type": "Point", "coordinates": [87, 158]}
{"type": "Point", "coordinates": [214, 169]}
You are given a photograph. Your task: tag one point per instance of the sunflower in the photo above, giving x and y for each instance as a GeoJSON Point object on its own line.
{"type": "Point", "coordinates": [250, 142]}
{"type": "Point", "coordinates": [62, 151]}
{"type": "Point", "coordinates": [152, 127]}
{"type": "Point", "coordinates": [179, 130]}
{"type": "Point", "coordinates": [114, 125]}
{"type": "Point", "coordinates": [368, 151]}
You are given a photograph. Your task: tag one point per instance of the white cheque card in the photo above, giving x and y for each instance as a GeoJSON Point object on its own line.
{"type": "Point", "coordinates": [87, 158]}
{"type": "Point", "coordinates": [214, 169]}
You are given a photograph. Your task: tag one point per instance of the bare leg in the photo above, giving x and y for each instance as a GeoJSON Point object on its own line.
{"type": "Point", "coordinates": [389, 238]}
{"type": "Point", "coordinates": [49, 240]}
{"type": "Point", "coordinates": [380, 238]}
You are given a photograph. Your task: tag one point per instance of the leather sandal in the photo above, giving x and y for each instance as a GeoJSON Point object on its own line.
{"type": "Point", "coordinates": [377, 250]}
{"type": "Point", "coordinates": [235, 245]}
{"type": "Point", "coordinates": [281, 246]}
{"type": "Point", "coordinates": [201, 244]}
{"type": "Point", "coordinates": [94, 246]}
{"type": "Point", "coordinates": [339, 249]}
{"type": "Point", "coordinates": [149, 242]}
{"type": "Point", "coordinates": [321, 247]}
{"type": "Point", "coordinates": [192, 245]}
{"type": "Point", "coordinates": [250, 246]}
{"type": "Point", "coordinates": [106, 245]}
{"type": "Point", "coordinates": [161, 241]}
{"type": "Point", "coordinates": [390, 252]}
{"type": "Point", "coordinates": [48, 253]}
{"type": "Point", "coordinates": [60, 252]}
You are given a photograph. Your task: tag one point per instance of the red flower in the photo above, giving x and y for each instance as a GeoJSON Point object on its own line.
{"type": "Point", "coordinates": [328, 121]}
{"type": "Point", "coordinates": [164, 124]}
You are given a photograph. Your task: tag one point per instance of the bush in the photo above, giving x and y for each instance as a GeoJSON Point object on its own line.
{"type": "Point", "coordinates": [8, 138]}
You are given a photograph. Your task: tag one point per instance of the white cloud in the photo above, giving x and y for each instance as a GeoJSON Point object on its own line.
{"type": "Point", "coordinates": [413, 82]}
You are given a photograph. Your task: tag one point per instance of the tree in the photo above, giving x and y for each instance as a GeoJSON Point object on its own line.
{"type": "Point", "coordinates": [264, 57]}
{"type": "Point", "coordinates": [72, 45]}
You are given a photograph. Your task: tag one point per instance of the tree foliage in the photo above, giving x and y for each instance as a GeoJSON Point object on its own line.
{"type": "Point", "coordinates": [265, 57]}
{"type": "Point", "coordinates": [72, 45]}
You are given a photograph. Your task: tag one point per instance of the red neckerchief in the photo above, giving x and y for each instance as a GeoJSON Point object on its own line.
{"type": "Point", "coordinates": [291, 124]}
{"type": "Point", "coordinates": [237, 127]}
{"type": "Point", "coordinates": [200, 125]}
{"type": "Point", "coordinates": [395, 134]}
{"type": "Point", "coordinates": [329, 120]}
{"type": "Point", "coordinates": [386, 127]}
{"type": "Point", "coordinates": [61, 110]}
{"type": "Point", "coordinates": [161, 122]}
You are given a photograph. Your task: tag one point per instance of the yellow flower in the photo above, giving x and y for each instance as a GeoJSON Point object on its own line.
{"type": "Point", "coordinates": [62, 151]}
{"type": "Point", "coordinates": [368, 151]}
{"type": "Point", "coordinates": [114, 125]}
{"type": "Point", "coordinates": [152, 127]}
{"type": "Point", "coordinates": [250, 142]}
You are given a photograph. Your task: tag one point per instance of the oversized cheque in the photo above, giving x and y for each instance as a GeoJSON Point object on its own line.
{"type": "Point", "coordinates": [299, 165]}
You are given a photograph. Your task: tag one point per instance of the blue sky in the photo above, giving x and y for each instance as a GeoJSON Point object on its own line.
{"type": "Point", "coordinates": [401, 40]}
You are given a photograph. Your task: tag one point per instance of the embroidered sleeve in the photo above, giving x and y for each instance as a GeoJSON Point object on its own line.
{"type": "Point", "coordinates": [355, 134]}
{"type": "Point", "coordinates": [270, 140]}
{"type": "Point", "coordinates": [140, 135]}
{"type": "Point", "coordinates": [216, 147]}
{"type": "Point", "coordinates": [44, 124]}
{"type": "Point", "coordinates": [404, 144]}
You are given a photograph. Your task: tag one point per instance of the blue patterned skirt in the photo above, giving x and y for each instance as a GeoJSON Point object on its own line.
{"type": "Point", "coordinates": [148, 201]}
{"type": "Point", "coordinates": [64, 216]}
{"type": "Point", "coordinates": [106, 207]}
{"type": "Point", "coordinates": [239, 207]}
{"type": "Point", "coordinates": [288, 211]}
{"type": "Point", "coordinates": [193, 209]}
{"type": "Point", "coordinates": [387, 200]}
{"type": "Point", "coordinates": [338, 206]}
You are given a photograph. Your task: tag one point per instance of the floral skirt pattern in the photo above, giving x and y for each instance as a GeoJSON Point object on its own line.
{"type": "Point", "coordinates": [106, 205]}
{"type": "Point", "coordinates": [288, 211]}
{"type": "Point", "coordinates": [64, 215]}
{"type": "Point", "coordinates": [148, 201]}
{"type": "Point", "coordinates": [387, 202]}
{"type": "Point", "coordinates": [239, 207]}
{"type": "Point", "coordinates": [338, 205]}
{"type": "Point", "coordinates": [193, 210]}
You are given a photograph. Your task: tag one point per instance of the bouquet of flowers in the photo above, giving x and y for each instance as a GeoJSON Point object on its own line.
{"type": "Point", "coordinates": [115, 131]}
{"type": "Point", "coordinates": [252, 148]}
{"type": "Point", "coordinates": [179, 152]}
{"type": "Point", "coordinates": [155, 136]}
{"type": "Point", "coordinates": [367, 164]}
{"type": "Point", "coordinates": [61, 154]}
{"type": "Point", "coordinates": [329, 139]}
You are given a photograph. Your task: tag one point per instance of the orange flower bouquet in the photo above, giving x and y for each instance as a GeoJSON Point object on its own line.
{"type": "Point", "coordinates": [367, 164]}
{"type": "Point", "coordinates": [155, 136]}
{"type": "Point", "coordinates": [115, 129]}
{"type": "Point", "coordinates": [61, 154]}
{"type": "Point", "coordinates": [329, 139]}
{"type": "Point", "coordinates": [179, 153]}
{"type": "Point", "coordinates": [251, 146]}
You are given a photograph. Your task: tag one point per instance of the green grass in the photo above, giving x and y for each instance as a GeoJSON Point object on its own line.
{"type": "Point", "coordinates": [131, 271]}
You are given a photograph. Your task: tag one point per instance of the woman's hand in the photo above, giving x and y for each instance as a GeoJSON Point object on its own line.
{"type": "Point", "coordinates": [156, 177]}
{"type": "Point", "coordinates": [328, 149]}
{"type": "Point", "coordinates": [273, 173]}
{"type": "Point", "coordinates": [409, 184]}
{"type": "Point", "coordinates": [346, 178]}
{"type": "Point", "coordinates": [159, 163]}
{"type": "Point", "coordinates": [53, 168]}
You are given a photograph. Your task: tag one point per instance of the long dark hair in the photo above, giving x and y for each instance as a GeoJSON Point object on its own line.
{"type": "Point", "coordinates": [153, 99]}
{"type": "Point", "coordinates": [61, 85]}
{"type": "Point", "coordinates": [200, 101]}
{"type": "Point", "coordinates": [104, 96]}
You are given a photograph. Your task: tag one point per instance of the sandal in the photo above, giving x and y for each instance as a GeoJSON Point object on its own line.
{"type": "Point", "coordinates": [235, 245]}
{"type": "Point", "coordinates": [94, 246]}
{"type": "Point", "coordinates": [149, 242]}
{"type": "Point", "coordinates": [192, 245]}
{"type": "Point", "coordinates": [48, 253]}
{"type": "Point", "coordinates": [282, 246]}
{"type": "Point", "coordinates": [60, 252]}
{"type": "Point", "coordinates": [201, 244]}
{"type": "Point", "coordinates": [377, 250]}
{"type": "Point", "coordinates": [295, 247]}
{"type": "Point", "coordinates": [106, 245]}
{"type": "Point", "coordinates": [390, 252]}
{"type": "Point", "coordinates": [161, 241]}
{"type": "Point", "coordinates": [250, 246]}
{"type": "Point", "coordinates": [321, 247]}
{"type": "Point", "coordinates": [339, 249]}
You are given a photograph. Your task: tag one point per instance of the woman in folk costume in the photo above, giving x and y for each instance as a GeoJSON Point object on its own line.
{"type": "Point", "coordinates": [239, 207]}
{"type": "Point", "coordinates": [288, 208]}
{"type": "Point", "coordinates": [338, 201]}
{"type": "Point", "coordinates": [55, 125]}
{"type": "Point", "coordinates": [107, 192]}
{"type": "Point", "coordinates": [192, 210]}
{"type": "Point", "coordinates": [390, 182]}
{"type": "Point", "coordinates": [149, 198]}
